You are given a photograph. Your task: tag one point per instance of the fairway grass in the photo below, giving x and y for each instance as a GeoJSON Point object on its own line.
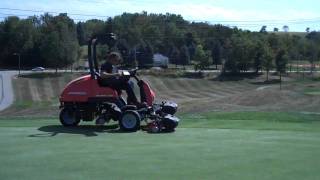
{"type": "Point", "coordinates": [238, 145]}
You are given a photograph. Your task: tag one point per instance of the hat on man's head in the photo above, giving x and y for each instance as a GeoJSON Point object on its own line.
{"type": "Point", "coordinates": [114, 55]}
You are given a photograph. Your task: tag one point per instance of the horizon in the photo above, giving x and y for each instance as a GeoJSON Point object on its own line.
{"type": "Point", "coordinates": [244, 14]}
{"type": "Point", "coordinates": [280, 29]}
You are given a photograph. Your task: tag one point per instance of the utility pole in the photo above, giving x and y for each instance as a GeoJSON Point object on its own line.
{"type": "Point", "coordinates": [19, 64]}
{"type": "Point", "coordinates": [135, 57]}
{"type": "Point", "coordinates": [280, 81]}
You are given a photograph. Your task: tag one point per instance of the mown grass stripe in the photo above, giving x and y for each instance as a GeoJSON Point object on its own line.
{"type": "Point", "coordinates": [22, 87]}
{"type": "Point", "coordinates": [190, 90]}
{"type": "Point", "coordinates": [227, 89]}
{"type": "Point", "coordinates": [48, 88]}
{"type": "Point", "coordinates": [164, 89]}
{"type": "Point", "coordinates": [34, 89]}
{"type": "Point", "coordinates": [172, 86]}
{"type": "Point", "coordinates": [158, 86]}
{"type": "Point", "coordinates": [56, 89]}
{"type": "Point", "coordinates": [41, 88]}
{"type": "Point", "coordinates": [210, 87]}
{"type": "Point", "coordinates": [203, 91]}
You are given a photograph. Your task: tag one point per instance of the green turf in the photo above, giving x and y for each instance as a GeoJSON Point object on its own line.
{"type": "Point", "coordinates": [291, 121]}
{"type": "Point", "coordinates": [239, 145]}
{"type": "Point", "coordinates": [314, 91]}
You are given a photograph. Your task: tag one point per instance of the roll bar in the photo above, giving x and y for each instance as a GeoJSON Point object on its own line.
{"type": "Point", "coordinates": [109, 39]}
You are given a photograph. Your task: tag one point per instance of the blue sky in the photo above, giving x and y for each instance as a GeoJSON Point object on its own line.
{"type": "Point", "coordinates": [246, 14]}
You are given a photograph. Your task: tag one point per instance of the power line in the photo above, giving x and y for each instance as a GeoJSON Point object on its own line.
{"type": "Point", "coordinates": [24, 15]}
{"type": "Point", "coordinates": [217, 22]}
{"type": "Point", "coordinates": [262, 20]}
{"type": "Point", "coordinates": [29, 15]}
{"type": "Point", "coordinates": [110, 1]}
{"type": "Point", "coordinates": [89, 1]}
{"type": "Point", "coordinates": [53, 12]}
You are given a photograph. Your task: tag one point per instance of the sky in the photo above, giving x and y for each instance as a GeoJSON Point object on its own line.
{"type": "Point", "coordinates": [245, 14]}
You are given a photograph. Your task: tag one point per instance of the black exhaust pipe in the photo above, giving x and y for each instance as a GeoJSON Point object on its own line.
{"type": "Point", "coordinates": [96, 65]}
{"type": "Point", "coordinates": [90, 60]}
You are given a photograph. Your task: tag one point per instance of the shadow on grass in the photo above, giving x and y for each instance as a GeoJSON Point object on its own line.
{"type": "Point", "coordinates": [193, 75]}
{"type": "Point", "coordinates": [174, 73]}
{"type": "Point", "coordinates": [272, 81]}
{"type": "Point", "coordinates": [316, 79]}
{"type": "Point", "coordinates": [236, 76]}
{"type": "Point", "coordinates": [87, 130]}
{"type": "Point", "coordinates": [41, 75]}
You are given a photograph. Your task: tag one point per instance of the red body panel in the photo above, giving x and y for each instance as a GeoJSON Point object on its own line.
{"type": "Point", "coordinates": [150, 95]}
{"type": "Point", "coordinates": [83, 88]}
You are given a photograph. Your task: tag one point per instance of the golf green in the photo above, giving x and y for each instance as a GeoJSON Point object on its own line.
{"type": "Point", "coordinates": [42, 149]}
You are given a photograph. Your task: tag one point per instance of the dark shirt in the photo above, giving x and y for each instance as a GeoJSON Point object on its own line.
{"type": "Point", "coordinates": [108, 68]}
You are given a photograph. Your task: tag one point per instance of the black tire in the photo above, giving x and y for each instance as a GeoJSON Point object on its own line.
{"type": "Point", "coordinates": [130, 121]}
{"type": "Point", "coordinates": [69, 117]}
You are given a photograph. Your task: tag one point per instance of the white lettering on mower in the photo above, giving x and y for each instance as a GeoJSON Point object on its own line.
{"type": "Point", "coordinates": [102, 95]}
{"type": "Point", "coordinates": [78, 93]}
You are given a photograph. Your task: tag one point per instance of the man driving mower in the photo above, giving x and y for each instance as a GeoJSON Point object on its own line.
{"type": "Point", "coordinates": [94, 96]}
{"type": "Point", "coordinates": [113, 78]}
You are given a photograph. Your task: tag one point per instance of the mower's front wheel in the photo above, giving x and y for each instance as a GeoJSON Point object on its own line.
{"type": "Point", "coordinates": [130, 121]}
{"type": "Point", "coordinates": [69, 117]}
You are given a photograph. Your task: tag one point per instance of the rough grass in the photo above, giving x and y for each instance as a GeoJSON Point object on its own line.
{"type": "Point", "coordinates": [205, 146]}
{"type": "Point", "coordinates": [37, 94]}
{"type": "Point", "coordinates": [33, 93]}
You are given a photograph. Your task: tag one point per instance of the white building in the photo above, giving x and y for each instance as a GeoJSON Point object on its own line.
{"type": "Point", "coordinates": [160, 60]}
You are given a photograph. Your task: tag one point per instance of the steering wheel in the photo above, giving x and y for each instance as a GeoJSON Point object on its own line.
{"type": "Point", "coordinates": [133, 72]}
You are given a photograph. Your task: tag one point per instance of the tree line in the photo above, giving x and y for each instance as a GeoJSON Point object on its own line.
{"type": "Point", "coordinates": [49, 41]}
{"type": "Point", "coordinates": [55, 41]}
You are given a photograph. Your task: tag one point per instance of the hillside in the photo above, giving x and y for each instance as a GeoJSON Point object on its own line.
{"type": "Point", "coordinates": [37, 95]}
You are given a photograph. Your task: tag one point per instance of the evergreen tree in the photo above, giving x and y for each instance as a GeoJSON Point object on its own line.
{"type": "Point", "coordinates": [281, 61]}
{"type": "Point", "coordinates": [201, 59]}
{"type": "Point", "coordinates": [216, 54]}
{"type": "Point", "coordinates": [267, 59]}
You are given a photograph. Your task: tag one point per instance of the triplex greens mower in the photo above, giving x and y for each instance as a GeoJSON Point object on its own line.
{"type": "Point", "coordinates": [87, 98]}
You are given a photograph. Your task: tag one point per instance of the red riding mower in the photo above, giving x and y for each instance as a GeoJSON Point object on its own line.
{"type": "Point", "coordinates": [86, 99]}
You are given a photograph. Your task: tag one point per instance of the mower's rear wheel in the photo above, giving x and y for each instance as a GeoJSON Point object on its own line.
{"type": "Point", "coordinates": [69, 117]}
{"type": "Point", "coordinates": [130, 121]}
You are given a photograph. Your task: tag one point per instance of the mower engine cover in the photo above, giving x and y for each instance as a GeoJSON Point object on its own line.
{"type": "Point", "coordinates": [170, 122]}
{"type": "Point", "coordinates": [170, 108]}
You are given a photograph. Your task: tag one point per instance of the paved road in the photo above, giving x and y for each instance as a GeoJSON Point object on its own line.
{"type": "Point", "coordinates": [6, 90]}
